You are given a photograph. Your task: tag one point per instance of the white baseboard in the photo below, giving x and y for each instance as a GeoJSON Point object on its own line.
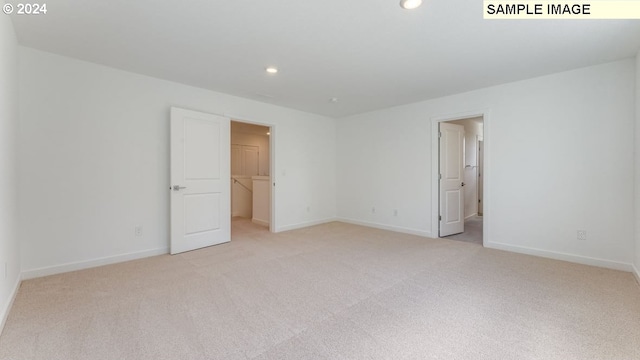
{"type": "Point", "coordinates": [260, 222]}
{"type": "Point", "coordinates": [585, 260]}
{"type": "Point", "coordinates": [80, 265]}
{"type": "Point", "coordinates": [636, 272]}
{"type": "Point", "coordinates": [5, 311]}
{"type": "Point", "coordinates": [470, 216]}
{"type": "Point", "coordinates": [304, 224]}
{"type": "Point", "coordinates": [386, 227]}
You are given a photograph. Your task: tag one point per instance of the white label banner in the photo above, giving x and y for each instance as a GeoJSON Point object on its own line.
{"type": "Point", "coordinates": [589, 10]}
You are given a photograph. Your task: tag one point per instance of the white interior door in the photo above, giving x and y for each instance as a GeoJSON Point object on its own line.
{"type": "Point", "coordinates": [451, 179]}
{"type": "Point", "coordinates": [200, 180]}
{"type": "Point", "coordinates": [480, 176]}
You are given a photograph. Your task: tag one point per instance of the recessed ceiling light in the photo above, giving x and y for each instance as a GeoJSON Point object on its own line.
{"type": "Point", "coordinates": [272, 69]}
{"type": "Point", "coordinates": [333, 100]}
{"type": "Point", "coordinates": [268, 133]}
{"type": "Point", "coordinates": [410, 4]}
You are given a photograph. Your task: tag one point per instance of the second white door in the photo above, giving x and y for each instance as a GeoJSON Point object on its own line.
{"type": "Point", "coordinates": [451, 179]}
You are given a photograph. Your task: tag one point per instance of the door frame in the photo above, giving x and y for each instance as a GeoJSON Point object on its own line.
{"type": "Point", "coordinates": [272, 165]}
{"type": "Point", "coordinates": [480, 174]}
{"type": "Point", "coordinates": [435, 169]}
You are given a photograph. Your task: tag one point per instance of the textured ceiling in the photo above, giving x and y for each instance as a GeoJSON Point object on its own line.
{"type": "Point", "coordinates": [370, 54]}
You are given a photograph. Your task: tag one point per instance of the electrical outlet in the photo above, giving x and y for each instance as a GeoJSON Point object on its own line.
{"type": "Point", "coordinates": [395, 212]}
{"type": "Point", "coordinates": [138, 230]}
{"type": "Point", "coordinates": [582, 235]}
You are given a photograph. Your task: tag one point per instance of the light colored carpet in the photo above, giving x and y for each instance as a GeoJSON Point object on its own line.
{"type": "Point", "coordinates": [472, 231]}
{"type": "Point", "coordinates": [334, 291]}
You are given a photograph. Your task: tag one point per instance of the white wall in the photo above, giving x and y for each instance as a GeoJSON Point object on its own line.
{"type": "Point", "coordinates": [472, 129]}
{"type": "Point", "coordinates": [637, 169]}
{"type": "Point", "coordinates": [557, 150]}
{"type": "Point", "coordinates": [9, 246]}
{"type": "Point", "coordinates": [95, 161]}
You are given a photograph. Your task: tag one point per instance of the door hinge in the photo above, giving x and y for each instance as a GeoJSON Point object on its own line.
{"type": "Point", "coordinates": [439, 217]}
{"type": "Point", "coordinates": [440, 178]}
{"type": "Point", "coordinates": [439, 134]}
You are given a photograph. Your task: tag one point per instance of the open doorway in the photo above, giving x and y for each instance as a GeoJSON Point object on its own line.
{"type": "Point", "coordinates": [461, 175]}
{"type": "Point", "coordinates": [251, 159]}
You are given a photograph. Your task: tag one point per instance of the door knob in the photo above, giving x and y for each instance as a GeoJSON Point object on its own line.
{"type": "Point", "coordinates": [463, 183]}
{"type": "Point", "coordinates": [178, 187]}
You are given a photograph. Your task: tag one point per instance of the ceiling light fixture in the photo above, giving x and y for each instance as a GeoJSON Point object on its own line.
{"type": "Point", "coordinates": [410, 4]}
{"type": "Point", "coordinates": [272, 69]}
